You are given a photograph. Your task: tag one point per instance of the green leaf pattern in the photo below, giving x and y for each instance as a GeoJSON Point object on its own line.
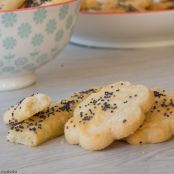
{"type": "Point", "coordinates": [63, 12]}
{"type": "Point", "coordinates": [9, 43]}
{"type": "Point", "coordinates": [51, 26]}
{"type": "Point", "coordinates": [24, 30]}
{"type": "Point", "coordinates": [37, 39]}
{"type": "Point", "coordinates": [40, 15]}
{"type": "Point", "coordinates": [9, 19]}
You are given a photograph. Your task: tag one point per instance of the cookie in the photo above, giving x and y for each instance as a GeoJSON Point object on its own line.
{"type": "Point", "coordinates": [47, 124]}
{"type": "Point", "coordinates": [54, 2]}
{"type": "Point", "coordinates": [26, 108]}
{"type": "Point", "coordinates": [90, 4]}
{"type": "Point", "coordinates": [39, 128]}
{"type": "Point", "coordinates": [115, 112]}
{"type": "Point", "coordinates": [109, 5]}
{"type": "Point", "coordinates": [158, 125]}
{"type": "Point", "coordinates": [162, 6]}
{"type": "Point", "coordinates": [34, 3]}
{"type": "Point", "coordinates": [136, 5]}
{"type": "Point", "coordinates": [11, 4]}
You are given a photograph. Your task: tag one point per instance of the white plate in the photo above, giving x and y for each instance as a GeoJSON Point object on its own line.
{"type": "Point", "coordinates": [125, 30]}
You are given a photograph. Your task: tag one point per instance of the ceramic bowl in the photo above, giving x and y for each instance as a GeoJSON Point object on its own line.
{"type": "Point", "coordinates": [29, 38]}
{"type": "Point", "coordinates": [125, 30]}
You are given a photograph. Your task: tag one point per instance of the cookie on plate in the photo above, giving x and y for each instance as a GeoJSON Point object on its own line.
{"type": "Point", "coordinates": [115, 112]}
{"type": "Point", "coordinates": [47, 124]}
{"type": "Point", "coordinates": [158, 125]}
{"type": "Point", "coordinates": [26, 108]}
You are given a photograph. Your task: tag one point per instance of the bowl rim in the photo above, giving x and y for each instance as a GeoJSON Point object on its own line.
{"type": "Point", "coordinates": [38, 7]}
{"type": "Point", "coordinates": [83, 12]}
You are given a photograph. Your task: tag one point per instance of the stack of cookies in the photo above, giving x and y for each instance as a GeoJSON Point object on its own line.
{"type": "Point", "coordinates": [95, 118]}
{"type": "Point", "coordinates": [37, 119]}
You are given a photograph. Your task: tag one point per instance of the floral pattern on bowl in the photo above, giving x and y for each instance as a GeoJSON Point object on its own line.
{"type": "Point", "coordinates": [33, 37]}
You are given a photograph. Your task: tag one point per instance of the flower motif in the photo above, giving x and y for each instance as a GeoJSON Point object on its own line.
{"type": "Point", "coordinates": [9, 56]}
{"type": "Point", "coordinates": [40, 16]}
{"type": "Point", "coordinates": [9, 43]}
{"type": "Point", "coordinates": [59, 35]}
{"type": "Point", "coordinates": [9, 19]}
{"type": "Point", "coordinates": [69, 22]}
{"type": "Point", "coordinates": [63, 12]}
{"type": "Point", "coordinates": [51, 26]}
{"type": "Point", "coordinates": [37, 39]}
{"type": "Point", "coordinates": [42, 59]}
{"type": "Point", "coordinates": [24, 30]}
{"type": "Point", "coordinates": [8, 69]}
{"type": "Point", "coordinates": [21, 61]}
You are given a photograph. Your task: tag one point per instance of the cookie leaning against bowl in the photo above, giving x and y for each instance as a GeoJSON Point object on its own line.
{"type": "Point", "coordinates": [158, 125]}
{"type": "Point", "coordinates": [26, 108]}
{"type": "Point", "coordinates": [47, 124]}
{"type": "Point", "coordinates": [115, 112]}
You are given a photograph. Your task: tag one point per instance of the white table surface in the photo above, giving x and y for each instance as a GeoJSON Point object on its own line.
{"type": "Point", "coordinates": [80, 68]}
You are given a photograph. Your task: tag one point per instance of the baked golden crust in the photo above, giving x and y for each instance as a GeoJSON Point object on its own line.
{"type": "Point", "coordinates": [126, 5]}
{"type": "Point", "coordinates": [158, 125]}
{"type": "Point", "coordinates": [48, 123]}
{"type": "Point", "coordinates": [115, 112]}
{"type": "Point", "coordinates": [26, 108]}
